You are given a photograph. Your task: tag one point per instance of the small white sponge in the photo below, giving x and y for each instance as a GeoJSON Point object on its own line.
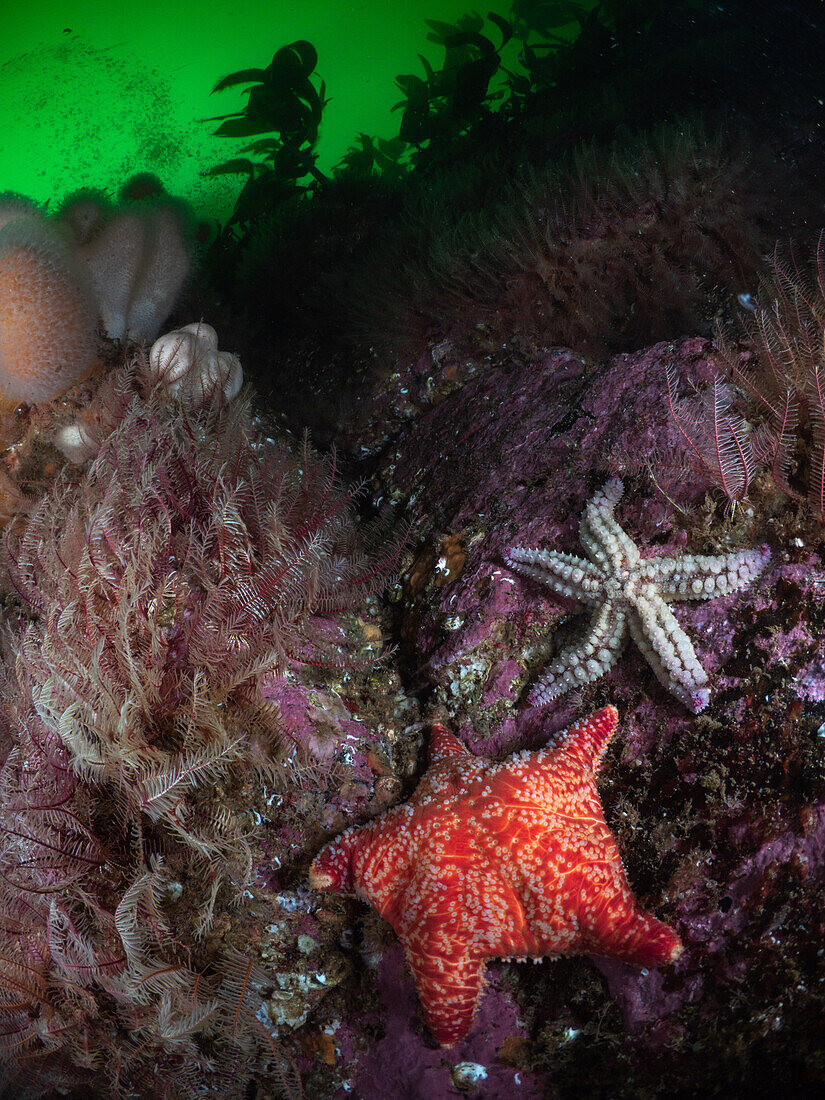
{"type": "Point", "coordinates": [189, 366]}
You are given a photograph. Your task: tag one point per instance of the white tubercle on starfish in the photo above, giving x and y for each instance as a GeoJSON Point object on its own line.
{"type": "Point", "coordinates": [630, 596]}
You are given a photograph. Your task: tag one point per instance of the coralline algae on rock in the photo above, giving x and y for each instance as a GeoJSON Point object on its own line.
{"type": "Point", "coordinates": [718, 817]}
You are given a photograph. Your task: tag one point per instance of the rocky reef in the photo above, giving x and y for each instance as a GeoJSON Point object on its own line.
{"type": "Point", "coordinates": [720, 817]}
{"type": "Point", "coordinates": [220, 653]}
{"type": "Point", "coordinates": [195, 702]}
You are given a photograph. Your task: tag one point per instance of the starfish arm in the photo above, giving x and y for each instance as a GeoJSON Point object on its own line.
{"type": "Point", "coordinates": [444, 744]}
{"type": "Point", "coordinates": [702, 577]}
{"type": "Point", "coordinates": [641, 939]}
{"type": "Point", "coordinates": [454, 903]}
{"type": "Point", "coordinates": [581, 899]}
{"type": "Point", "coordinates": [562, 573]}
{"type": "Point", "coordinates": [371, 862]}
{"type": "Point", "coordinates": [332, 867]}
{"type": "Point", "coordinates": [610, 920]}
{"type": "Point", "coordinates": [608, 546]}
{"type": "Point", "coordinates": [668, 651]}
{"type": "Point", "coordinates": [449, 981]}
{"type": "Point", "coordinates": [583, 745]}
{"type": "Point", "coordinates": [586, 660]}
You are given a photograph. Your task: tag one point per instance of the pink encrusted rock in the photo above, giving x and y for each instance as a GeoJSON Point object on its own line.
{"type": "Point", "coordinates": [406, 1062]}
{"type": "Point", "coordinates": [718, 817]}
{"type": "Point", "coordinates": [513, 458]}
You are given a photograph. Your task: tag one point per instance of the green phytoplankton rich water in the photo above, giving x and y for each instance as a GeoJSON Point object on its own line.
{"type": "Point", "coordinates": [94, 91]}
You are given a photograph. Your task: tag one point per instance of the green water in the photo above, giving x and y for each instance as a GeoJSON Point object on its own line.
{"type": "Point", "coordinates": [92, 92]}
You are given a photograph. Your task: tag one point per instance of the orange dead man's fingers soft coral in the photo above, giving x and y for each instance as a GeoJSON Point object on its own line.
{"type": "Point", "coordinates": [47, 318]}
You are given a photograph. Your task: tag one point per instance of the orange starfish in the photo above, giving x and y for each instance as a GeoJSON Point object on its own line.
{"type": "Point", "coordinates": [497, 860]}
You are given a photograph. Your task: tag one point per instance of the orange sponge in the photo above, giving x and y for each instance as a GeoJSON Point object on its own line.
{"type": "Point", "coordinates": [47, 319]}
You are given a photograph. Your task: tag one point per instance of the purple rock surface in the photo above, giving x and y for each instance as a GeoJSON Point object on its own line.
{"type": "Point", "coordinates": [720, 817]}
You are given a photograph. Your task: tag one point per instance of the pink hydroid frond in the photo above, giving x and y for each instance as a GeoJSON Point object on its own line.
{"type": "Point", "coordinates": [785, 376]}
{"type": "Point", "coordinates": [193, 559]}
{"type": "Point", "coordinates": [815, 393]}
{"type": "Point", "coordinates": [718, 438]}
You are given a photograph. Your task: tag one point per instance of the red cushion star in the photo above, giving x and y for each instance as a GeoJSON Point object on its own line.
{"type": "Point", "coordinates": [489, 860]}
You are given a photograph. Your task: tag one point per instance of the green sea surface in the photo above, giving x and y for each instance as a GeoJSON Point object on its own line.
{"type": "Point", "coordinates": [93, 92]}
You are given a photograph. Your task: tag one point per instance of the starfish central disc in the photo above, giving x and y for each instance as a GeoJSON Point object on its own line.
{"type": "Point", "coordinates": [491, 860]}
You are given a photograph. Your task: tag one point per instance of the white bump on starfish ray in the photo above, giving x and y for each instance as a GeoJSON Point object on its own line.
{"type": "Point", "coordinates": [630, 596]}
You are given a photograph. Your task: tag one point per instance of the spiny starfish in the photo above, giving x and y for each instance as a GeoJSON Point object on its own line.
{"type": "Point", "coordinates": [630, 595]}
{"type": "Point", "coordinates": [494, 860]}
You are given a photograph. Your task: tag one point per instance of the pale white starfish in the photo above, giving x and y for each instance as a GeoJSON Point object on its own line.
{"type": "Point", "coordinates": [630, 596]}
